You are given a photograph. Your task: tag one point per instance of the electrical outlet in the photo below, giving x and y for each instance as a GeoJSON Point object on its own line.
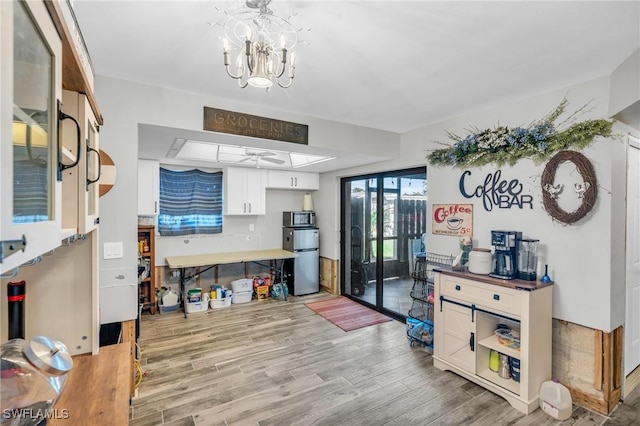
{"type": "Point", "coordinates": [251, 227]}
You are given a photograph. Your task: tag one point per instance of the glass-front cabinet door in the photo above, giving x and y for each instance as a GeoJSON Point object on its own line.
{"type": "Point", "coordinates": [30, 86]}
{"type": "Point", "coordinates": [79, 134]}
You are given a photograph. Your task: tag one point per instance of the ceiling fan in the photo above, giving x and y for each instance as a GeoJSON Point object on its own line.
{"type": "Point", "coordinates": [256, 156]}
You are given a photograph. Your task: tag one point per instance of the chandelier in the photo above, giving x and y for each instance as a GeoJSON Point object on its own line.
{"type": "Point", "coordinates": [265, 40]}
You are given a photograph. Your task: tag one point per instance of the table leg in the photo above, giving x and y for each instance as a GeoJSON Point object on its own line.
{"type": "Point", "coordinates": [184, 306]}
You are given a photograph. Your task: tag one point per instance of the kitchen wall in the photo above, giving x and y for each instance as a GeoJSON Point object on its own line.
{"type": "Point", "coordinates": [124, 105]}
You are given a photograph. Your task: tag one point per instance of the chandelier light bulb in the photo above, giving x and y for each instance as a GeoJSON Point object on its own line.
{"type": "Point", "coordinates": [248, 33]}
{"type": "Point", "coordinates": [293, 60]}
{"type": "Point", "coordinates": [239, 62]}
{"type": "Point", "coordinates": [225, 44]}
{"type": "Point", "coordinates": [283, 41]}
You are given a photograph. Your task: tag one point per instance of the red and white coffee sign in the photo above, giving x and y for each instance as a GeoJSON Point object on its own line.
{"type": "Point", "coordinates": [452, 219]}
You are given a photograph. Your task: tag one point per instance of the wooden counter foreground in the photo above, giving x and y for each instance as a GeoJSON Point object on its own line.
{"type": "Point", "coordinates": [97, 391]}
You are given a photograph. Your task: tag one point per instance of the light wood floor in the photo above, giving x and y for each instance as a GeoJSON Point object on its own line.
{"type": "Point", "coordinates": [278, 363]}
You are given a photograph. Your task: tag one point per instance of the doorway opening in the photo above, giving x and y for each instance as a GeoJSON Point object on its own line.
{"type": "Point", "coordinates": [383, 223]}
{"type": "Point", "coordinates": [632, 322]}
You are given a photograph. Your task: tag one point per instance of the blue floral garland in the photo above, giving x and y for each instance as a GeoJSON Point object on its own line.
{"type": "Point", "coordinates": [504, 145]}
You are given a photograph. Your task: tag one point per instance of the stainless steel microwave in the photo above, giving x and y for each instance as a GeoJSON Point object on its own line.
{"type": "Point", "coordinates": [294, 219]}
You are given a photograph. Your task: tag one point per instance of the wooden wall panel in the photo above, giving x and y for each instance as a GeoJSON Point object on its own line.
{"type": "Point", "coordinates": [329, 270]}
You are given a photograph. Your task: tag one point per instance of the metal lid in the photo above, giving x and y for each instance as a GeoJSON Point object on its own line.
{"type": "Point", "coordinates": [48, 356]}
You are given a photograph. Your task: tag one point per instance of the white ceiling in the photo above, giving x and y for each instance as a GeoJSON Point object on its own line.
{"type": "Point", "coordinates": [390, 65]}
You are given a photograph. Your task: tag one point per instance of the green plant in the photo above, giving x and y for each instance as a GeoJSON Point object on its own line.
{"type": "Point", "coordinates": [504, 145]}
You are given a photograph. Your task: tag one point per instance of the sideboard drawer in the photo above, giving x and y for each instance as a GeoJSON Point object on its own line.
{"type": "Point", "coordinates": [486, 295]}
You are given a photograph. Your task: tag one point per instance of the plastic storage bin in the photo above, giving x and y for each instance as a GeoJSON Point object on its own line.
{"type": "Point", "coordinates": [242, 290]}
{"type": "Point", "coordinates": [555, 400]}
{"type": "Point", "coordinates": [168, 308]}
{"type": "Point", "coordinates": [220, 303]}
{"type": "Point", "coordinates": [192, 307]}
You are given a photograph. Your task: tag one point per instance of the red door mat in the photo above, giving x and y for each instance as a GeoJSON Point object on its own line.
{"type": "Point", "coordinates": [346, 314]}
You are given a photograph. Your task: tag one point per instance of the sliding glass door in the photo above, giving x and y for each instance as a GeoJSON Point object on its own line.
{"type": "Point", "coordinates": [383, 225]}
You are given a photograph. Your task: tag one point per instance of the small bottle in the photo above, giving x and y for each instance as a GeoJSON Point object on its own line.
{"type": "Point", "coordinates": [145, 247]}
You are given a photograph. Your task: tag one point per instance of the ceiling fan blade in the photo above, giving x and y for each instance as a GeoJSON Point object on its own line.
{"type": "Point", "coordinates": [259, 153]}
{"type": "Point", "coordinates": [244, 159]}
{"type": "Point", "coordinates": [273, 160]}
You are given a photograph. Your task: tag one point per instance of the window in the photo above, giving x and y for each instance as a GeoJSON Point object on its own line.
{"type": "Point", "coordinates": [190, 202]}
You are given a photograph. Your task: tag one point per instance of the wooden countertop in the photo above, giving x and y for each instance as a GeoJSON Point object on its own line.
{"type": "Point", "coordinates": [97, 390]}
{"type": "Point", "coordinates": [189, 261]}
{"type": "Point", "coordinates": [515, 284]}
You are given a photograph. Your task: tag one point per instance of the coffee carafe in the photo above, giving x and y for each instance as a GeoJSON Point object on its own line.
{"type": "Point", "coordinates": [528, 259]}
{"type": "Point", "coordinates": [505, 255]}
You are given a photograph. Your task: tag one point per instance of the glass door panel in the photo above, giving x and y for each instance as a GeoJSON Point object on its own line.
{"type": "Point", "coordinates": [32, 121]}
{"type": "Point", "coordinates": [88, 184]}
{"type": "Point", "coordinates": [383, 218]}
{"type": "Point", "coordinates": [392, 290]}
{"type": "Point", "coordinates": [357, 241]}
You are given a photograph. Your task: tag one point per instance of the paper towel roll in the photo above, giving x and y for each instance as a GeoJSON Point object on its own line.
{"type": "Point", "coordinates": [307, 203]}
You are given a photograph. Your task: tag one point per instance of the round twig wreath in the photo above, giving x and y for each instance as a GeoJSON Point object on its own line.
{"type": "Point", "coordinates": [589, 188]}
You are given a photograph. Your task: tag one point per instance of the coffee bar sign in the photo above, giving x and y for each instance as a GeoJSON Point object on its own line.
{"type": "Point", "coordinates": [236, 123]}
{"type": "Point", "coordinates": [452, 219]}
{"type": "Point", "coordinates": [495, 191]}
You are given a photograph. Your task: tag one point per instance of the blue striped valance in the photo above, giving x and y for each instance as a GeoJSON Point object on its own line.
{"type": "Point", "coordinates": [190, 202]}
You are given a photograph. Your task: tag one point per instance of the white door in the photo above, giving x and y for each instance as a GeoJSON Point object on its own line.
{"type": "Point", "coordinates": [632, 325]}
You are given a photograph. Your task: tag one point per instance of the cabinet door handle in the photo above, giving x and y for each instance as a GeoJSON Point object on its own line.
{"type": "Point", "coordinates": [249, 207]}
{"type": "Point", "coordinates": [472, 341]}
{"type": "Point", "coordinates": [496, 297]}
{"type": "Point", "coordinates": [61, 167]}
{"type": "Point", "coordinates": [457, 287]}
{"type": "Point", "coordinates": [244, 207]}
{"type": "Point", "coordinates": [155, 207]}
{"type": "Point", "coordinates": [89, 151]}
{"type": "Point", "coordinates": [296, 181]}
{"type": "Point", "coordinates": [291, 181]}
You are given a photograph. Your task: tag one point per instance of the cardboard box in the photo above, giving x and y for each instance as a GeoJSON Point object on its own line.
{"type": "Point", "coordinates": [262, 292]}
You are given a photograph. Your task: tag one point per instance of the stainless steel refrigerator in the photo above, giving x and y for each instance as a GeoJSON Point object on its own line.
{"type": "Point", "coordinates": [303, 272]}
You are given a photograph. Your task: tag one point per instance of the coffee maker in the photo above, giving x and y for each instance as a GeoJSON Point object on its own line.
{"type": "Point", "coordinates": [505, 255]}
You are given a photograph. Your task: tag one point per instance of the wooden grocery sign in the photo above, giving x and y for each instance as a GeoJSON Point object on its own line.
{"type": "Point", "coordinates": [236, 123]}
{"type": "Point", "coordinates": [452, 219]}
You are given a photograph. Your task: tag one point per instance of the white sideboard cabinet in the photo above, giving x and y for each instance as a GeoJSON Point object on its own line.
{"type": "Point", "coordinates": [288, 179]}
{"type": "Point", "coordinates": [244, 191]}
{"type": "Point", "coordinates": [469, 308]}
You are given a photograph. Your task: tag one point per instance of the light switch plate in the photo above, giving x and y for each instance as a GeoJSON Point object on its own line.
{"type": "Point", "coordinates": [113, 250]}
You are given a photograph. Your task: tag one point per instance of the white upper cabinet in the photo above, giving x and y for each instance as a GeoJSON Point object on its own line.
{"type": "Point", "coordinates": [285, 179]}
{"type": "Point", "coordinates": [31, 87]}
{"type": "Point", "coordinates": [79, 135]}
{"type": "Point", "coordinates": [148, 187]}
{"type": "Point", "coordinates": [244, 191]}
